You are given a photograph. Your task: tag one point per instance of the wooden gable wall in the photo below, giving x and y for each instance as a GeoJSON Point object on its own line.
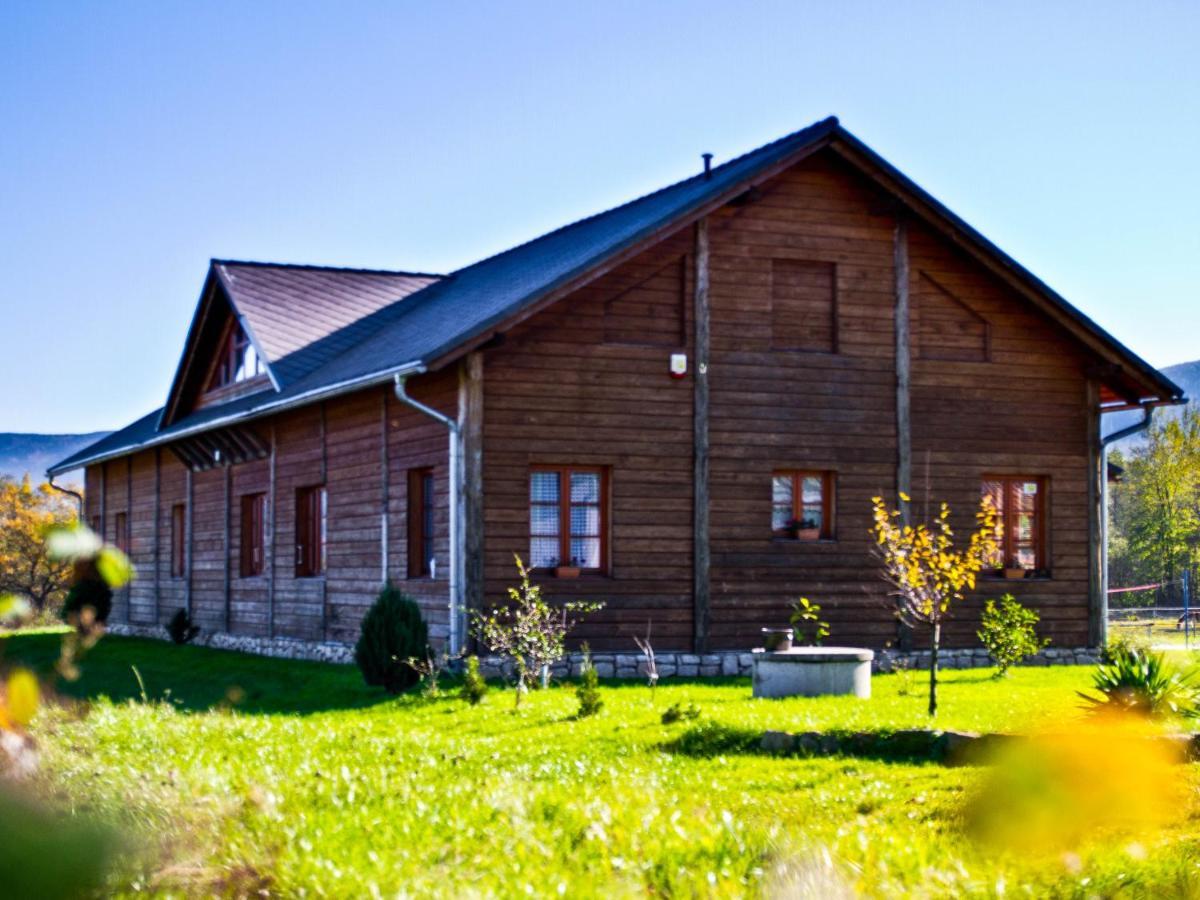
{"type": "Point", "coordinates": [802, 376]}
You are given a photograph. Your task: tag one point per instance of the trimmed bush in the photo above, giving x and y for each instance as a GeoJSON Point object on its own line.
{"type": "Point", "coordinates": [88, 592]}
{"type": "Point", "coordinates": [180, 628]}
{"type": "Point", "coordinates": [1008, 631]}
{"type": "Point", "coordinates": [474, 685]}
{"type": "Point", "coordinates": [392, 633]}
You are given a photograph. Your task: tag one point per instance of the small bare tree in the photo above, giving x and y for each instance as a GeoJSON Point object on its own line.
{"type": "Point", "coordinates": [527, 628]}
{"type": "Point", "coordinates": [651, 665]}
{"type": "Point", "coordinates": [927, 572]}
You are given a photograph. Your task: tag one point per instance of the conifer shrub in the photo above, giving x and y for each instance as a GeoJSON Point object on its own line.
{"type": "Point", "coordinates": [588, 691]}
{"type": "Point", "coordinates": [474, 686]}
{"type": "Point", "coordinates": [181, 628]}
{"type": "Point", "coordinates": [393, 632]}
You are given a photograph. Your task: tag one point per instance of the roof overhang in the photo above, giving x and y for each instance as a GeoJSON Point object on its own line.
{"type": "Point", "coordinates": [281, 404]}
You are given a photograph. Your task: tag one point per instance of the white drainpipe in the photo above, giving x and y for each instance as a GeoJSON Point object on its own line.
{"type": "Point", "coordinates": [455, 578]}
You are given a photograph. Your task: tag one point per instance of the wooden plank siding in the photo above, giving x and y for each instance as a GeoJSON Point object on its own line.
{"type": "Point", "coordinates": [344, 449]}
{"type": "Point", "coordinates": [556, 392]}
{"type": "Point", "coordinates": [1023, 413]}
{"type": "Point", "coordinates": [778, 409]}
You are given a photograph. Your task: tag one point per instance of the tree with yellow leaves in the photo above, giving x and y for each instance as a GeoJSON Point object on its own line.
{"type": "Point", "coordinates": [27, 515]}
{"type": "Point", "coordinates": [926, 570]}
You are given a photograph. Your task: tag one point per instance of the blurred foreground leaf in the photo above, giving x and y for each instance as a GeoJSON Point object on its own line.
{"type": "Point", "coordinates": [74, 543]}
{"type": "Point", "coordinates": [114, 567]}
{"type": "Point", "coordinates": [13, 608]}
{"type": "Point", "coordinates": [46, 856]}
{"type": "Point", "coordinates": [21, 697]}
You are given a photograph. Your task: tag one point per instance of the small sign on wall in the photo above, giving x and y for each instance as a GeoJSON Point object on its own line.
{"type": "Point", "coordinates": [678, 365]}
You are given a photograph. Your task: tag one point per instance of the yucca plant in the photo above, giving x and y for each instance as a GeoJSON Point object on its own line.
{"type": "Point", "coordinates": [1139, 681]}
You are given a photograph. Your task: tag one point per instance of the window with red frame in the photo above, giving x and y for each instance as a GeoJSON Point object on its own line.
{"type": "Point", "coordinates": [121, 531]}
{"type": "Point", "coordinates": [802, 505]}
{"type": "Point", "coordinates": [312, 513]}
{"type": "Point", "coordinates": [1020, 502]}
{"type": "Point", "coordinates": [254, 535]}
{"type": "Point", "coordinates": [420, 523]}
{"type": "Point", "coordinates": [567, 517]}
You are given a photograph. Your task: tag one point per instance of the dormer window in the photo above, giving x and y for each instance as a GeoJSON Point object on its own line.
{"type": "Point", "coordinates": [237, 361]}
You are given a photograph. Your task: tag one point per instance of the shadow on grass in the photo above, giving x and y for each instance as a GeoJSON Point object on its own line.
{"type": "Point", "coordinates": [709, 739]}
{"type": "Point", "coordinates": [195, 679]}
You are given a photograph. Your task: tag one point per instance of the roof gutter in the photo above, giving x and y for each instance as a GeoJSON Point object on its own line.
{"type": "Point", "coordinates": [257, 412]}
{"type": "Point", "coordinates": [1146, 420]}
{"type": "Point", "coordinates": [455, 563]}
{"type": "Point", "coordinates": [1102, 468]}
{"type": "Point", "coordinates": [62, 490]}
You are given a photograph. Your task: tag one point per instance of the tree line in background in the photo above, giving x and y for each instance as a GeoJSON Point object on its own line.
{"type": "Point", "coordinates": [1154, 516]}
{"type": "Point", "coordinates": [27, 569]}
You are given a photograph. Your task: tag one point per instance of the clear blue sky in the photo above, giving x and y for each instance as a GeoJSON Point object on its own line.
{"type": "Point", "coordinates": [140, 139]}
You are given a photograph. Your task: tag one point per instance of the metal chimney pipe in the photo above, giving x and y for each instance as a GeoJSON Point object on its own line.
{"type": "Point", "coordinates": [707, 157]}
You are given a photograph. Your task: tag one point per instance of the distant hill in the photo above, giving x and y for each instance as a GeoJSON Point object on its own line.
{"type": "Point", "coordinates": [34, 453]}
{"type": "Point", "coordinates": [1187, 376]}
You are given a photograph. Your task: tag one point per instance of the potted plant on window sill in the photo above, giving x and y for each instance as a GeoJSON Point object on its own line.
{"type": "Point", "coordinates": [802, 530]}
{"type": "Point", "coordinates": [1015, 573]}
{"type": "Point", "coordinates": [568, 571]}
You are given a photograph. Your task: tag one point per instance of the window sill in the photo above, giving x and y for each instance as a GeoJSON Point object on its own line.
{"type": "Point", "coordinates": [320, 577]}
{"type": "Point", "coordinates": [584, 575]}
{"type": "Point", "coordinates": [1000, 578]}
{"type": "Point", "coordinates": [801, 542]}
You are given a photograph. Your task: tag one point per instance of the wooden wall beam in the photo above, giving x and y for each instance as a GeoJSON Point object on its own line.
{"type": "Point", "coordinates": [157, 533]}
{"type": "Point", "coordinates": [701, 556]}
{"type": "Point", "coordinates": [903, 365]}
{"type": "Point", "coordinates": [190, 519]}
{"type": "Point", "coordinates": [471, 497]}
{"type": "Point", "coordinates": [128, 589]}
{"type": "Point", "coordinates": [228, 552]}
{"type": "Point", "coordinates": [325, 483]}
{"type": "Point", "coordinates": [385, 479]}
{"type": "Point", "coordinates": [271, 536]}
{"type": "Point", "coordinates": [1097, 586]}
{"type": "Point", "coordinates": [903, 353]}
{"type": "Point", "coordinates": [104, 501]}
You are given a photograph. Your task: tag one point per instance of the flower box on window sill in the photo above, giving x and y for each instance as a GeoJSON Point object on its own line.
{"type": "Point", "coordinates": [804, 534]}
{"type": "Point", "coordinates": [567, 571]}
{"type": "Point", "coordinates": [1015, 574]}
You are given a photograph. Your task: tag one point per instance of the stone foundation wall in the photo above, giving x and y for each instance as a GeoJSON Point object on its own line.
{"type": "Point", "coordinates": [729, 662]}
{"type": "Point", "coordinates": [280, 647]}
{"type": "Point", "coordinates": [613, 665]}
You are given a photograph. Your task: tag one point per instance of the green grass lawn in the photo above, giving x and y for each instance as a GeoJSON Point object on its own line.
{"type": "Point", "coordinates": [244, 774]}
{"type": "Point", "coordinates": [1162, 633]}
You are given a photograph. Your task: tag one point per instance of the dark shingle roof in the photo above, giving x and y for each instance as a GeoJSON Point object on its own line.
{"type": "Point", "coordinates": [327, 330]}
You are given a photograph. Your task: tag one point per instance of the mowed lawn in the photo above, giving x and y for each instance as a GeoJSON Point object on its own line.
{"type": "Point", "coordinates": [247, 776]}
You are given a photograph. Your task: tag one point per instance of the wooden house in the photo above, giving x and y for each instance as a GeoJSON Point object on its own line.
{"type": "Point", "coordinates": [681, 407]}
